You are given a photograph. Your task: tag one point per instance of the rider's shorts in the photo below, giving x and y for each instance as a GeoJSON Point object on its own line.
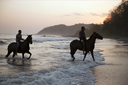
{"type": "Point", "coordinates": [18, 42]}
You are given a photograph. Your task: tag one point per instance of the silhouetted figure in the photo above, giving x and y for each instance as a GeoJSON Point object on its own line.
{"type": "Point", "coordinates": [82, 37]}
{"type": "Point", "coordinates": [18, 39]}
{"type": "Point", "coordinates": [90, 44]}
{"type": "Point", "coordinates": [23, 47]}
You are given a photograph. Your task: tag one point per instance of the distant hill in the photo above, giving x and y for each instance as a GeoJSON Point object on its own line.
{"type": "Point", "coordinates": [63, 30]}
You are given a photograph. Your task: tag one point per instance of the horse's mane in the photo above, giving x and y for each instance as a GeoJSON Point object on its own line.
{"type": "Point", "coordinates": [91, 36]}
{"type": "Point", "coordinates": [27, 38]}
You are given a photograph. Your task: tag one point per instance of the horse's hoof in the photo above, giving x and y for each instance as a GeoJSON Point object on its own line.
{"type": "Point", "coordinates": [73, 59]}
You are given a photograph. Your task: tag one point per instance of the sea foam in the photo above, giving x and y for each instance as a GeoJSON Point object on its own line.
{"type": "Point", "coordinates": [66, 73]}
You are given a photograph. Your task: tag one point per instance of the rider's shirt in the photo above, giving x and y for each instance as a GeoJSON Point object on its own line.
{"type": "Point", "coordinates": [82, 35]}
{"type": "Point", "coordinates": [18, 38]}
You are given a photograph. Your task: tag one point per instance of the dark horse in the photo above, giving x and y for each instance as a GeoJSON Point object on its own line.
{"type": "Point", "coordinates": [90, 44]}
{"type": "Point", "coordinates": [23, 47]}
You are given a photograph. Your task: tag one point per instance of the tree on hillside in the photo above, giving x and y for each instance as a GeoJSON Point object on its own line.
{"type": "Point", "coordinates": [117, 21]}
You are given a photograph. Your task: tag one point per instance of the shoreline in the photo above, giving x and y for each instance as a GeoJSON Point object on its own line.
{"type": "Point", "coordinates": [115, 70]}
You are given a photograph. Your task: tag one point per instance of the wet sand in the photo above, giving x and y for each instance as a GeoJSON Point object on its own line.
{"type": "Point", "coordinates": [115, 70]}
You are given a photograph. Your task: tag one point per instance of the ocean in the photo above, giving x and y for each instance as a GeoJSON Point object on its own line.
{"type": "Point", "coordinates": [50, 63]}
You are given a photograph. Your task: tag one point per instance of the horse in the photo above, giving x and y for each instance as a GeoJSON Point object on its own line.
{"type": "Point", "coordinates": [23, 47]}
{"type": "Point", "coordinates": [89, 45]}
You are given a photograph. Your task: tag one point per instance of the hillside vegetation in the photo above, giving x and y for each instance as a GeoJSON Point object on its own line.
{"type": "Point", "coordinates": [63, 30]}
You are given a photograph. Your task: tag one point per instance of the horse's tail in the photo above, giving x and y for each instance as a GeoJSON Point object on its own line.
{"type": "Point", "coordinates": [73, 46]}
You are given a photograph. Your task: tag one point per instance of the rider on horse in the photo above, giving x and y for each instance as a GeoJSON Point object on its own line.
{"type": "Point", "coordinates": [82, 37]}
{"type": "Point", "coordinates": [18, 39]}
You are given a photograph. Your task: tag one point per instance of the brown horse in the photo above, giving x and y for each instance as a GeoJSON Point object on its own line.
{"type": "Point", "coordinates": [23, 47]}
{"type": "Point", "coordinates": [89, 45]}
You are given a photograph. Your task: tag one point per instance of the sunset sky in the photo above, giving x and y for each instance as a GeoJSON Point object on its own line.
{"type": "Point", "coordinates": [33, 15]}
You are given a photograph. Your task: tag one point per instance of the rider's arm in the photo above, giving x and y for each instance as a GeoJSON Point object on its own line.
{"type": "Point", "coordinates": [21, 37]}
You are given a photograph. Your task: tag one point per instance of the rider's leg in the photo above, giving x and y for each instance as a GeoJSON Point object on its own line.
{"type": "Point", "coordinates": [17, 47]}
{"type": "Point", "coordinates": [83, 45]}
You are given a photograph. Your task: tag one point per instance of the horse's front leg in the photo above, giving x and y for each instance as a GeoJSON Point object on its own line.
{"type": "Point", "coordinates": [85, 55]}
{"type": "Point", "coordinates": [92, 55]}
{"type": "Point", "coordinates": [23, 55]}
{"type": "Point", "coordinates": [30, 55]}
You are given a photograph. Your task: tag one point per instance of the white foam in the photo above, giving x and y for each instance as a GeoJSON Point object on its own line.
{"type": "Point", "coordinates": [66, 73]}
{"type": "Point", "coordinates": [36, 38]}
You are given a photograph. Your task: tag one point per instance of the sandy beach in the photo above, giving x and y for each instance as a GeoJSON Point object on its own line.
{"type": "Point", "coordinates": [115, 70]}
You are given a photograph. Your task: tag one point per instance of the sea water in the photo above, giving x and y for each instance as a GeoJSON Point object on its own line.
{"type": "Point", "coordinates": [50, 63]}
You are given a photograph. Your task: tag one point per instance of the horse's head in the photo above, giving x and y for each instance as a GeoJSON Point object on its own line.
{"type": "Point", "coordinates": [29, 39]}
{"type": "Point", "coordinates": [97, 35]}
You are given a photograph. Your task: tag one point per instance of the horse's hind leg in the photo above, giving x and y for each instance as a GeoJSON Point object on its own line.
{"type": "Point", "coordinates": [9, 52]}
{"type": "Point", "coordinates": [14, 53]}
{"type": "Point", "coordinates": [73, 57]}
{"type": "Point", "coordinates": [72, 53]}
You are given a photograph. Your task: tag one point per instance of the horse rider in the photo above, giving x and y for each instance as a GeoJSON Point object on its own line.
{"type": "Point", "coordinates": [82, 37]}
{"type": "Point", "coordinates": [18, 39]}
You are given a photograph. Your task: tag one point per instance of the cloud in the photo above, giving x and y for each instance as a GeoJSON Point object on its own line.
{"type": "Point", "coordinates": [66, 15]}
{"type": "Point", "coordinates": [73, 14]}
{"type": "Point", "coordinates": [100, 15]}
{"type": "Point", "coordinates": [85, 14]}
{"type": "Point", "coordinates": [78, 14]}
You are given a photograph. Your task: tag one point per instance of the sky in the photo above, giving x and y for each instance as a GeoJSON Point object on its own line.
{"type": "Point", "coordinates": [31, 16]}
